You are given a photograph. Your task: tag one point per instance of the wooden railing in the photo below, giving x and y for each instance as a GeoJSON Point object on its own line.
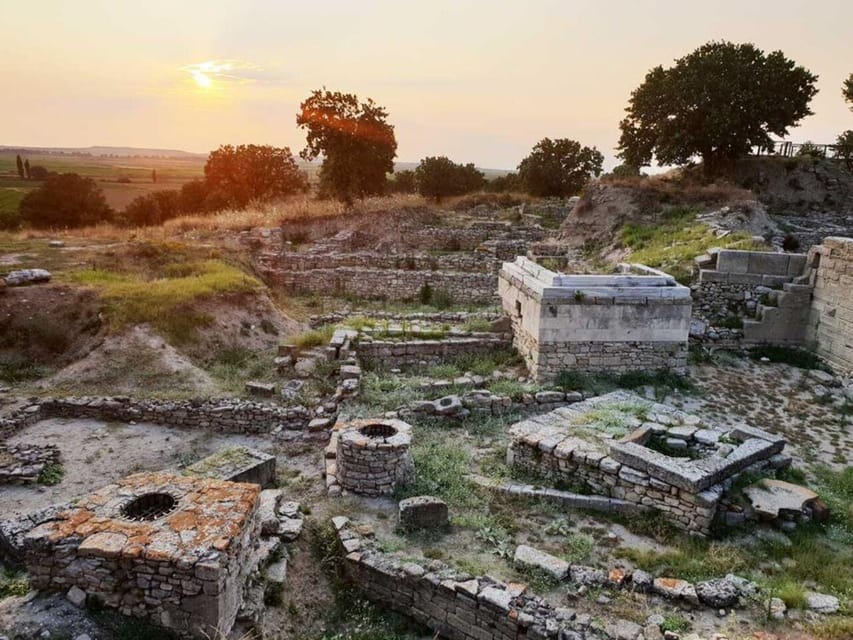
{"type": "Point", "coordinates": [787, 149]}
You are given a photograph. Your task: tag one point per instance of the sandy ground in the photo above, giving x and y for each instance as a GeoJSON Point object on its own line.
{"type": "Point", "coordinates": [95, 453]}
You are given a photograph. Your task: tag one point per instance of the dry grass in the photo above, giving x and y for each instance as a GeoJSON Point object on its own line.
{"type": "Point", "coordinates": [679, 188]}
{"type": "Point", "coordinates": [260, 215]}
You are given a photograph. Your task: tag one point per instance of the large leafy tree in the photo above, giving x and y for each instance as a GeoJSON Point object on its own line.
{"type": "Point", "coordinates": [715, 103]}
{"type": "Point", "coordinates": [65, 200]}
{"type": "Point", "coordinates": [238, 175]}
{"type": "Point", "coordinates": [354, 138]}
{"type": "Point", "coordinates": [559, 167]}
{"type": "Point", "coordinates": [847, 89]}
{"type": "Point", "coordinates": [439, 177]}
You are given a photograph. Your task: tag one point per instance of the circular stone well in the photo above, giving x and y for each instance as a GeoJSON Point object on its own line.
{"type": "Point", "coordinates": [373, 456]}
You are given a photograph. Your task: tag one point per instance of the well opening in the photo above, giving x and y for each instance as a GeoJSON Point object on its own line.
{"type": "Point", "coordinates": [378, 430]}
{"type": "Point", "coordinates": [149, 506]}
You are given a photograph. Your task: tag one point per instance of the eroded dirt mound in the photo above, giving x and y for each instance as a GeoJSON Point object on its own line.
{"type": "Point", "coordinates": [608, 205]}
{"type": "Point", "coordinates": [125, 363]}
{"type": "Point", "coordinates": [47, 326]}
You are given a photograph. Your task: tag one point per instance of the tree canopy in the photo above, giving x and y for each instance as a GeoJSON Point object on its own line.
{"type": "Point", "coordinates": [559, 167]}
{"type": "Point", "coordinates": [355, 140]}
{"type": "Point", "coordinates": [847, 89]}
{"type": "Point", "coordinates": [238, 175]}
{"type": "Point", "coordinates": [65, 200]}
{"type": "Point", "coordinates": [716, 103]}
{"type": "Point", "coordinates": [439, 177]}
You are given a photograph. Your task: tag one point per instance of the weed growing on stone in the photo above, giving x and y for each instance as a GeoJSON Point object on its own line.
{"type": "Point", "coordinates": [51, 474]}
{"type": "Point", "coordinates": [312, 338]}
{"type": "Point", "coordinates": [675, 622]}
{"type": "Point", "coordinates": [13, 583]}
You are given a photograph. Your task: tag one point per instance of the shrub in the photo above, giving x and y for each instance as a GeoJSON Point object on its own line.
{"type": "Point", "coordinates": [442, 299]}
{"type": "Point", "coordinates": [572, 380]}
{"type": "Point", "coordinates": [425, 293]}
{"type": "Point", "coordinates": [51, 474]}
{"type": "Point", "coordinates": [439, 177]}
{"type": "Point", "coordinates": [790, 242]}
{"type": "Point", "coordinates": [153, 209]}
{"type": "Point", "coordinates": [559, 167]}
{"type": "Point", "coordinates": [313, 338]}
{"type": "Point", "coordinates": [64, 201]}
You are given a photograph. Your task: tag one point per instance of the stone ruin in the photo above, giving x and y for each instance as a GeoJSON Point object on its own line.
{"type": "Point", "coordinates": [637, 319]}
{"type": "Point", "coordinates": [372, 456]}
{"type": "Point", "coordinates": [645, 453]}
{"type": "Point", "coordinates": [22, 464]}
{"type": "Point", "coordinates": [173, 549]}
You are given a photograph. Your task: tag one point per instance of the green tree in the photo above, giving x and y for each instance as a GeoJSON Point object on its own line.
{"type": "Point", "coordinates": [715, 103]}
{"type": "Point", "coordinates": [847, 90]}
{"type": "Point", "coordinates": [504, 184]}
{"type": "Point", "coordinates": [559, 167]}
{"type": "Point", "coordinates": [438, 177]}
{"type": "Point", "coordinates": [403, 182]}
{"type": "Point", "coordinates": [238, 175]}
{"type": "Point", "coordinates": [20, 164]}
{"type": "Point", "coordinates": [844, 148]}
{"type": "Point", "coordinates": [152, 209]}
{"type": "Point", "coordinates": [27, 168]}
{"type": "Point", "coordinates": [65, 200]}
{"type": "Point", "coordinates": [355, 140]}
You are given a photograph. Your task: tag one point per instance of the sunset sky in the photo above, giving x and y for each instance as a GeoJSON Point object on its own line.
{"type": "Point", "coordinates": [477, 81]}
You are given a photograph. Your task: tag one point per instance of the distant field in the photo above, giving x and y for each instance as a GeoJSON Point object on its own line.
{"type": "Point", "coordinates": [171, 174]}
{"type": "Point", "coordinates": [9, 200]}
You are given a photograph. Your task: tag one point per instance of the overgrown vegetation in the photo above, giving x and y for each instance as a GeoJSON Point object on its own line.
{"type": "Point", "coordinates": [675, 240]}
{"type": "Point", "coordinates": [51, 474]}
{"type": "Point", "coordinates": [662, 379]}
{"type": "Point", "coordinates": [13, 583]}
{"type": "Point", "coordinates": [163, 292]}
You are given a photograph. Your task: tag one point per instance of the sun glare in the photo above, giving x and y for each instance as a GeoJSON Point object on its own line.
{"type": "Point", "coordinates": [201, 79]}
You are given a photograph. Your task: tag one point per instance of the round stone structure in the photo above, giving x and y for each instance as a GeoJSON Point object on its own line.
{"type": "Point", "coordinates": [373, 456]}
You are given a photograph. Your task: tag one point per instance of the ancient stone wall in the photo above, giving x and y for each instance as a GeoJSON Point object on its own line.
{"type": "Point", "coordinates": [400, 353]}
{"type": "Point", "coordinates": [561, 447]}
{"type": "Point", "coordinates": [750, 297]}
{"type": "Point", "coordinates": [226, 416]}
{"type": "Point", "coordinates": [457, 606]}
{"type": "Point", "coordinates": [830, 324]}
{"type": "Point", "coordinates": [149, 567]}
{"type": "Point", "coordinates": [634, 320]}
{"type": "Point", "coordinates": [388, 284]}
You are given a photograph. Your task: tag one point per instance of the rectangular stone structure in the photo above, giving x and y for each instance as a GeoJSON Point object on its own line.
{"type": "Point", "coordinates": [171, 549]}
{"type": "Point", "coordinates": [638, 319]}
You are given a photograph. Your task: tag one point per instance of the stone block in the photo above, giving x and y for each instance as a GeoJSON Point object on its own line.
{"type": "Point", "coordinates": [529, 558]}
{"type": "Point", "coordinates": [422, 512]}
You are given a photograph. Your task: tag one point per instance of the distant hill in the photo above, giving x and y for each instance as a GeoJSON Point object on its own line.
{"type": "Point", "coordinates": [99, 151]}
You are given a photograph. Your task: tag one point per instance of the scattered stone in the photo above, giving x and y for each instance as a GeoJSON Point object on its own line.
{"type": "Point", "coordinates": [777, 608]}
{"type": "Point", "coordinates": [530, 558]}
{"type": "Point", "coordinates": [718, 593]}
{"type": "Point", "coordinates": [822, 603]}
{"type": "Point", "coordinates": [265, 389]}
{"type": "Point", "coordinates": [624, 630]}
{"type": "Point", "coordinates": [770, 497]}
{"type": "Point", "coordinates": [76, 596]}
{"type": "Point", "coordinates": [675, 589]}
{"type": "Point", "coordinates": [55, 244]}
{"type": "Point", "coordinates": [24, 277]}
{"type": "Point", "coordinates": [422, 512]}
{"type": "Point", "coordinates": [587, 576]}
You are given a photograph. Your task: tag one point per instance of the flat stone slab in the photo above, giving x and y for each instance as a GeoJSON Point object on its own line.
{"type": "Point", "coordinates": [24, 277]}
{"type": "Point", "coordinates": [530, 558]}
{"type": "Point", "coordinates": [422, 512]}
{"type": "Point", "coordinates": [770, 497]}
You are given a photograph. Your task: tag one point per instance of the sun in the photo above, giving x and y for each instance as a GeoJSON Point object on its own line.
{"type": "Point", "coordinates": [201, 79]}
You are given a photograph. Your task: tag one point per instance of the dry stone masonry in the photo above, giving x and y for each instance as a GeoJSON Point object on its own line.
{"type": "Point", "coordinates": [830, 325]}
{"type": "Point", "coordinates": [637, 319]}
{"type": "Point", "coordinates": [751, 297]}
{"type": "Point", "coordinates": [372, 456]}
{"type": "Point", "coordinates": [22, 463]}
{"type": "Point", "coordinates": [650, 454]}
{"type": "Point", "coordinates": [175, 550]}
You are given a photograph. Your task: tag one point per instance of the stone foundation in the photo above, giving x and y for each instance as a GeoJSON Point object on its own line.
{"type": "Point", "coordinates": [634, 320]}
{"type": "Point", "coordinates": [170, 549]}
{"type": "Point", "coordinates": [406, 353]}
{"type": "Point", "coordinates": [688, 486]}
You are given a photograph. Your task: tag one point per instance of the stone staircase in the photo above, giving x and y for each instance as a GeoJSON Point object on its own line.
{"type": "Point", "coordinates": [781, 316]}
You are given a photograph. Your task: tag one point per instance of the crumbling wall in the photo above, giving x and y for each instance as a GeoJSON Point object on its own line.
{"type": "Point", "coordinates": [391, 353]}
{"type": "Point", "coordinates": [830, 323]}
{"type": "Point", "coordinates": [226, 416]}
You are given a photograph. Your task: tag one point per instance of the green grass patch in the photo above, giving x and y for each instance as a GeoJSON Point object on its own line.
{"type": "Point", "coordinates": [441, 468]}
{"type": "Point", "coordinates": [662, 379]}
{"type": "Point", "coordinates": [673, 243]}
{"type": "Point", "coordinates": [10, 200]}
{"type": "Point", "coordinates": [165, 302]}
{"type": "Point", "coordinates": [615, 419]}
{"type": "Point", "coordinates": [13, 583]}
{"type": "Point", "coordinates": [51, 474]}
{"type": "Point", "coordinates": [313, 338]}
{"type": "Point", "coordinates": [691, 559]}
